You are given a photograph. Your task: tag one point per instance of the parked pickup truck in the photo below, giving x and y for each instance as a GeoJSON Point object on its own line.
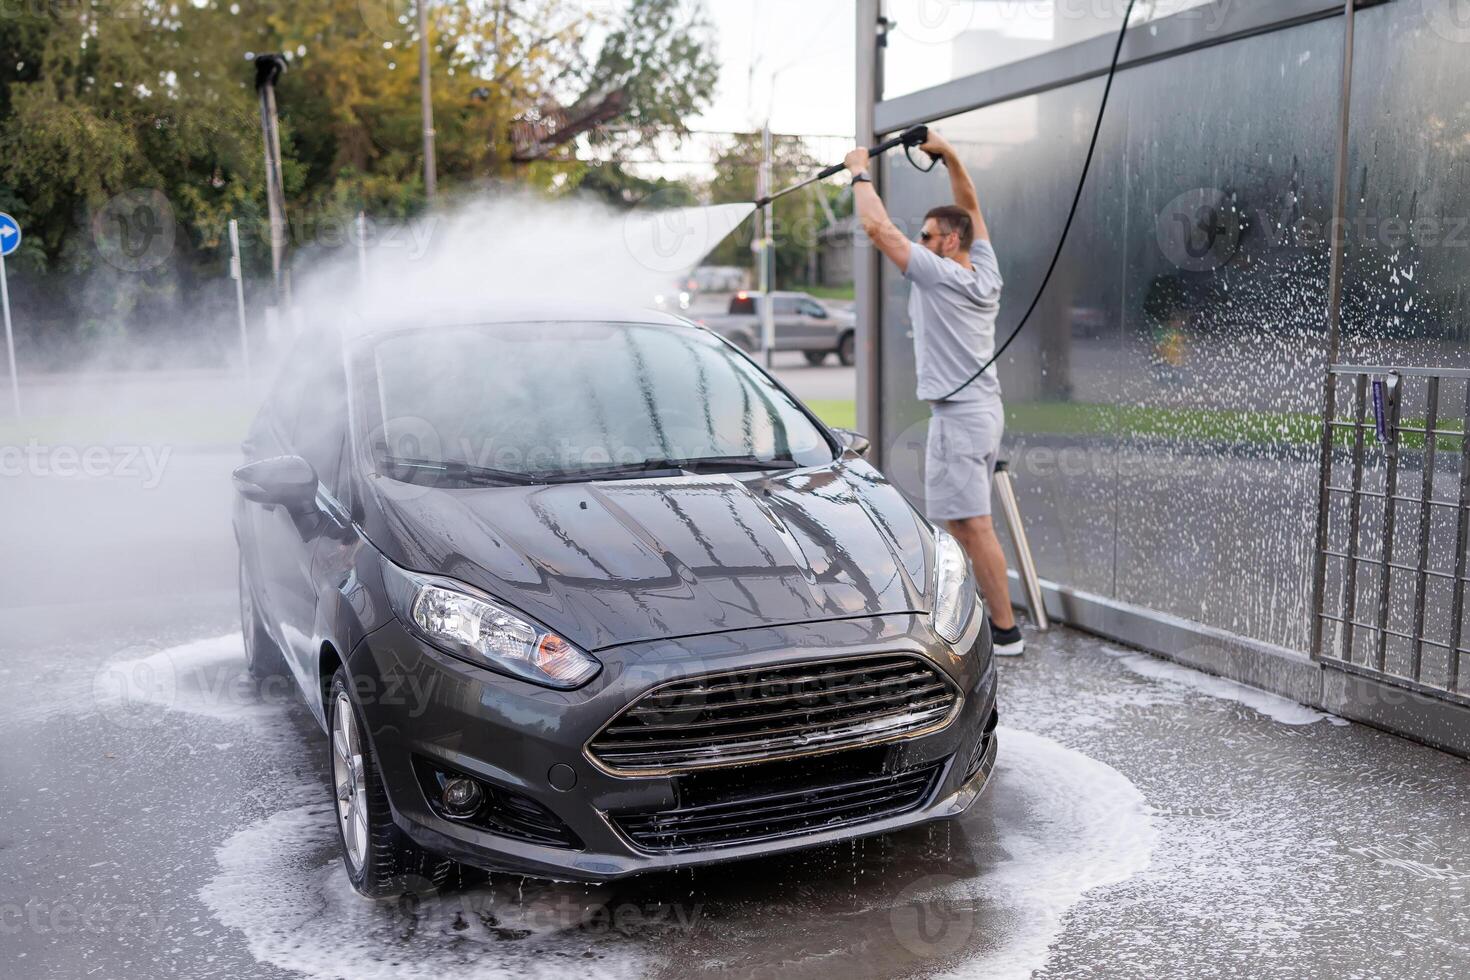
{"type": "Point", "coordinates": [801, 323]}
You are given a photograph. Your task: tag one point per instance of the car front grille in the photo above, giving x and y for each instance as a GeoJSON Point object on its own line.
{"type": "Point", "coordinates": [775, 713]}
{"type": "Point", "coordinates": [762, 812]}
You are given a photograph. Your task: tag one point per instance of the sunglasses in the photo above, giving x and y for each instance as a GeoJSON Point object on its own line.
{"type": "Point", "coordinates": [925, 236]}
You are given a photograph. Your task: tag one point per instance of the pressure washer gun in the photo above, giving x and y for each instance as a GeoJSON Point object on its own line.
{"type": "Point", "coordinates": [908, 139]}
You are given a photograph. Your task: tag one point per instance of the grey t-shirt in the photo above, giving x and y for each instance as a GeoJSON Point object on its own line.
{"type": "Point", "coordinates": [953, 311]}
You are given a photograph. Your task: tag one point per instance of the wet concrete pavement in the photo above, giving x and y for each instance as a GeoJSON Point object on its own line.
{"type": "Point", "coordinates": [158, 817]}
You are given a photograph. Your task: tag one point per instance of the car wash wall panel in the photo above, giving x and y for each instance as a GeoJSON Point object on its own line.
{"type": "Point", "coordinates": [1164, 404]}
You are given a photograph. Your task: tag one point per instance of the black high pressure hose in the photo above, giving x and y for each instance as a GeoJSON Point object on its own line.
{"type": "Point", "coordinates": [1071, 212]}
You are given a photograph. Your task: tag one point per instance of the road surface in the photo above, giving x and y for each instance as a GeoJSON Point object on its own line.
{"type": "Point", "coordinates": [158, 817]}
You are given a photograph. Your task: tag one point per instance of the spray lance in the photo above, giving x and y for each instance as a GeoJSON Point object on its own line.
{"type": "Point", "coordinates": [908, 139]}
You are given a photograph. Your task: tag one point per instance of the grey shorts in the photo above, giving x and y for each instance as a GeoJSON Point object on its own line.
{"type": "Point", "coordinates": [959, 459]}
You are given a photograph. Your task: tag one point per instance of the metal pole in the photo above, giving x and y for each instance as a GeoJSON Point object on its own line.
{"type": "Point", "coordinates": [865, 260]}
{"type": "Point", "coordinates": [237, 274]}
{"type": "Point", "coordinates": [1334, 326]}
{"type": "Point", "coordinates": [768, 315]}
{"type": "Point", "coordinates": [426, 104]}
{"type": "Point", "coordinates": [9, 336]}
{"type": "Point", "coordinates": [1025, 563]}
{"type": "Point", "coordinates": [362, 269]}
{"type": "Point", "coordinates": [268, 68]}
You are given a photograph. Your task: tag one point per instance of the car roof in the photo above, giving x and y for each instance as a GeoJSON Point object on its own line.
{"type": "Point", "coordinates": [370, 325]}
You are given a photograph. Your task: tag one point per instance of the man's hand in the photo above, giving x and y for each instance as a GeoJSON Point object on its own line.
{"type": "Point", "coordinates": [937, 146]}
{"type": "Point", "coordinates": [856, 161]}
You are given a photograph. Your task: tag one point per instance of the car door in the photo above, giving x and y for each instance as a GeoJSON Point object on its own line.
{"type": "Point", "coordinates": [788, 326]}
{"type": "Point", "coordinates": [819, 329]}
{"type": "Point", "coordinates": [307, 418]}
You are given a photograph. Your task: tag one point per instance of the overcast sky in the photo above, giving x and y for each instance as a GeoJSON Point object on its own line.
{"type": "Point", "coordinates": [808, 44]}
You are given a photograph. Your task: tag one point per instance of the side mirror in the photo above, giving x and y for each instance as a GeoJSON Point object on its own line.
{"type": "Point", "coordinates": [287, 481]}
{"type": "Point", "coordinates": [853, 441]}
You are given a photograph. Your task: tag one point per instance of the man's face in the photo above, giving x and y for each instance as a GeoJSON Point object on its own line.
{"type": "Point", "coordinates": [936, 239]}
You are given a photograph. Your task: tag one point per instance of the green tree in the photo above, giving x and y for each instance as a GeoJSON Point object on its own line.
{"type": "Point", "coordinates": [99, 99]}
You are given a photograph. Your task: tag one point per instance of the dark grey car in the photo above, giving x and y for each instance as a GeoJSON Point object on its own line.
{"type": "Point", "coordinates": [584, 597]}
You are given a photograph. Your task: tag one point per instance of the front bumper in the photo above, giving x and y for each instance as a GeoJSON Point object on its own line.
{"type": "Point", "coordinates": [426, 709]}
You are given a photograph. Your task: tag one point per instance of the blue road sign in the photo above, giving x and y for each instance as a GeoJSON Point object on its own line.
{"type": "Point", "coordinates": [9, 234]}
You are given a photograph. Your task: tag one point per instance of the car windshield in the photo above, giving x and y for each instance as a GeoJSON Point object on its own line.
{"type": "Point", "coordinates": [521, 402]}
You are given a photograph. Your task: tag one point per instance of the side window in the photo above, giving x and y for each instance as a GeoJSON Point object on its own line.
{"type": "Point", "coordinates": [785, 306]}
{"type": "Point", "coordinates": [808, 308]}
{"type": "Point", "coordinates": [287, 391]}
{"type": "Point", "coordinates": [309, 402]}
{"type": "Point", "coordinates": [340, 486]}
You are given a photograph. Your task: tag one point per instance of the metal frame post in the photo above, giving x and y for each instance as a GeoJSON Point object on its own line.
{"type": "Point", "coordinates": [865, 265]}
{"type": "Point", "coordinates": [9, 337]}
{"type": "Point", "coordinates": [1025, 563]}
{"type": "Point", "coordinates": [1462, 544]}
{"type": "Point", "coordinates": [1389, 521]}
{"type": "Point", "coordinates": [1334, 323]}
{"type": "Point", "coordinates": [768, 266]}
{"type": "Point", "coordinates": [1426, 495]}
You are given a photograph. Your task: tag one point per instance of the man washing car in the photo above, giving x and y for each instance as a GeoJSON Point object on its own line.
{"type": "Point", "coordinates": [953, 302]}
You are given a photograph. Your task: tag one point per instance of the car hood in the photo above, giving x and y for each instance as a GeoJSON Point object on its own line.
{"type": "Point", "coordinates": [624, 561]}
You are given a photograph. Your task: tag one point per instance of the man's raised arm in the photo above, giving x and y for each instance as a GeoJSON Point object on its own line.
{"type": "Point", "coordinates": [960, 183]}
{"type": "Point", "coordinates": [874, 216]}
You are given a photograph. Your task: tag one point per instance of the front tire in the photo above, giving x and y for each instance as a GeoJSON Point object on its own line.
{"type": "Point", "coordinates": [380, 859]}
{"type": "Point", "coordinates": [847, 350]}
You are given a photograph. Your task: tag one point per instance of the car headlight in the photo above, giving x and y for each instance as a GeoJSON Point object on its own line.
{"type": "Point", "coordinates": [954, 588]}
{"type": "Point", "coordinates": [461, 621]}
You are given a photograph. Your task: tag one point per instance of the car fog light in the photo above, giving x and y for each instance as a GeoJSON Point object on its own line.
{"type": "Point", "coordinates": [462, 797]}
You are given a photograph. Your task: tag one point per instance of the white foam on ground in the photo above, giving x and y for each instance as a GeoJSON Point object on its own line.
{"type": "Point", "coordinates": [1275, 707]}
{"type": "Point", "coordinates": [282, 885]}
{"type": "Point", "coordinates": [140, 688]}
{"type": "Point", "coordinates": [205, 677]}
{"type": "Point", "coordinates": [1080, 825]}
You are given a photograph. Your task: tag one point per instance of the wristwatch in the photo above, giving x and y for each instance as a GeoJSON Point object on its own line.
{"type": "Point", "coordinates": [861, 179]}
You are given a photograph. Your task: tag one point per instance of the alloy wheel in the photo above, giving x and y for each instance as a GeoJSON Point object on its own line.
{"type": "Point", "coordinates": [349, 781]}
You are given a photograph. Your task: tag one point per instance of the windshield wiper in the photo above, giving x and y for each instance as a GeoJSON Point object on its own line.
{"type": "Point", "coordinates": [673, 467]}
{"type": "Point", "coordinates": [737, 463]}
{"type": "Point", "coordinates": [459, 472]}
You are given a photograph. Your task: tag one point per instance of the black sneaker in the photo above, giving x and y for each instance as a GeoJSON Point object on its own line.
{"type": "Point", "coordinates": [1006, 643]}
